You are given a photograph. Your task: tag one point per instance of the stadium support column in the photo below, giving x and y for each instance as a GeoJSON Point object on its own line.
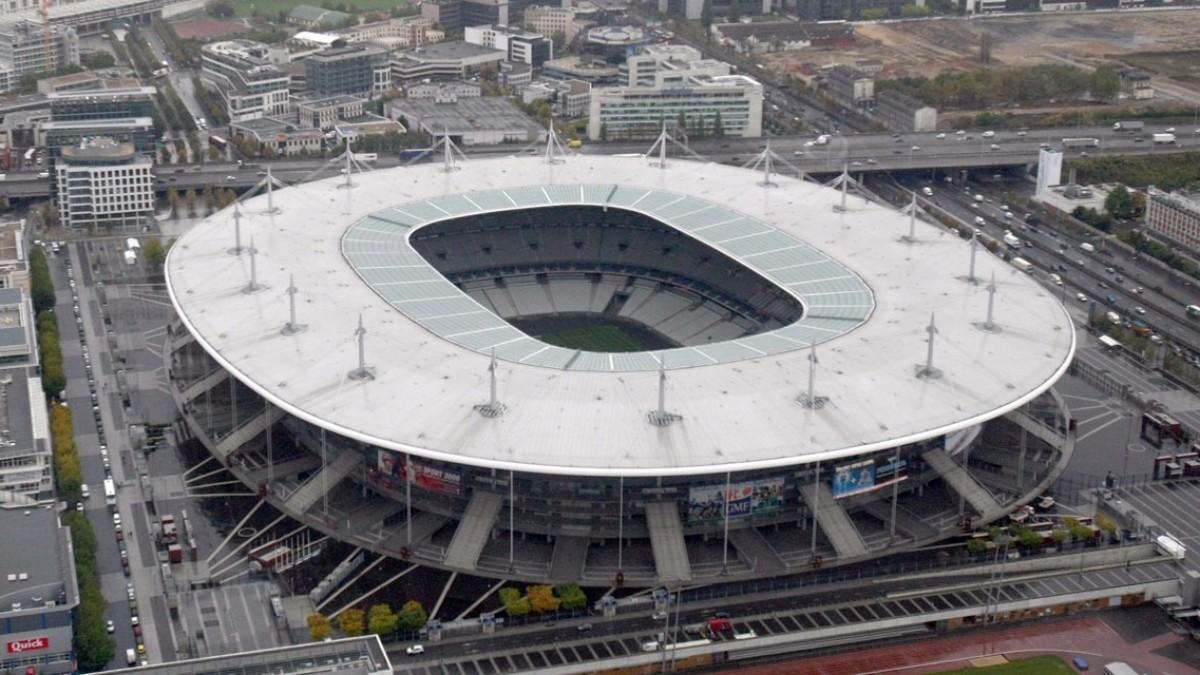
{"type": "Point", "coordinates": [408, 496]}
{"type": "Point", "coordinates": [270, 453]}
{"type": "Point", "coordinates": [324, 476]}
{"type": "Point", "coordinates": [895, 493]}
{"type": "Point", "coordinates": [1021, 458]}
{"type": "Point", "coordinates": [512, 507]}
{"type": "Point", "coordinates": [725, 513]}
{"type": "Point", "coordinates": [815, 505]}
{"type": "Point", "coordinates": [233, 403]}
{"type": "Point", "coordinates": [620, 522]}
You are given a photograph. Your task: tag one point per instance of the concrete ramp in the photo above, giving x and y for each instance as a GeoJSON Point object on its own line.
{"type": "Point", "coordinates": [196, 389]}
{"type": "Point", "coordinates": [834, 521]}
{"type": "Point", "coordinates": [756, 551]}
{"type": "Point", "coordinates": [666, 540]}
{"type": "Point", "coordinates": [570, 555]}
{"type": "Point", "coordinates": [472, 532]}
{"type": "Point", "coordinates": [307, 494]}
{"type": "Point", "coordinates": [245, 433]}
{"type": "Point", "coordinates": [1037, 429]}
{"type": "Point", "coordinates": [912, 526]}
{"type": "Point", "coordinates": [967, 487]}
{"type": "Point", "coordinates": [424, 526]}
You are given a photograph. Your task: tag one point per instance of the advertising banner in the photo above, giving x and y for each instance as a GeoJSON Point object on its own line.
{"type": "Point", "coordinates": [885, 472]}
{"type": "Point", "coordinates": [746, 499]}
{"type": "Point", "coordinates": [851, 479]}
{"type": "Point", "coordinates": [392, 474]}
{"type": "Point", "coordinates": [28, 645]}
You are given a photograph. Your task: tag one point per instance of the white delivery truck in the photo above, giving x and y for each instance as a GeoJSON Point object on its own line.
{"type": "Point", "coordinates": [1022, 264]}
{"type": "Point", "coordinates": [1011, 240]}
{"type": "Point", "coordinates": [130, 257]}
{"type": "Point", "coordinates": [130, 657]}
{"type": "Point", "coordinates": [1162, 138]}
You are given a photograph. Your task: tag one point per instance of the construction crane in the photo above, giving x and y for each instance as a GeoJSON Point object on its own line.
{"type": "Point", "coordinates": [47, 37]}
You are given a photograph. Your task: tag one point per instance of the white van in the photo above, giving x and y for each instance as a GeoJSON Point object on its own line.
{"type": "Point", "coordinates": [1119, 668]}
{"type": "Point", "coordinates": [83, 490]}
{"type": "Point", "coordinates": [130, 657]}
{"type": "Point", "coordinates": [651, 646]}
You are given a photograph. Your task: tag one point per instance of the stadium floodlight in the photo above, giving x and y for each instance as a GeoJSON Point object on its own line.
{"type": "Point", "coordinates": [253, 286]}
{"type": "Point", "coordinates": [927, 371]}
{"type": "Point", "coordinates": [270, 180]}
{"type": "Point", "coordinates": [990, 325]}
{"type": "Point", "coordinates": [493, 408]}
{"type": "Point", "coordinates": [810, 399]}
{"type": "Point", "coordinates": [973, 247]}
{"type": "Point", "coordinates": [660, 417]}
{"type": "Point", "coordinates": [362, 372]}
{"type": "Point", "coordinates": [237, 229]}
{"type": "Point", "coordinates": [292, 327]}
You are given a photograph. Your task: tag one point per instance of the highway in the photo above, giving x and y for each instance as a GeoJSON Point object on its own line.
{"type": "Point", "coordinates": [858, 152]}
{"type": "Point", "coordinates": [1163, 296]}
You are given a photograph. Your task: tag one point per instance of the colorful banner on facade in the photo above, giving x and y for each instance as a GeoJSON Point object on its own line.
{"type": "Point", "coordinates": [426, 476]}
{"type": "Point", "coordinates": [851, 479]}
{"type": "Point", "coordinates": [751, 498]}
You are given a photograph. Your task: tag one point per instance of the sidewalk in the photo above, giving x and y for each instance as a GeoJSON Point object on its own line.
{"type": "Point", "coordinates": [1090, 636]}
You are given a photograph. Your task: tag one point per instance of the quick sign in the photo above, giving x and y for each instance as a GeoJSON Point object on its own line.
{"type": "Point", "coordinates": [30, 645]}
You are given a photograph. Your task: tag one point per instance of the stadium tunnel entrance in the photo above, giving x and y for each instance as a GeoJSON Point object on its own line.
{"type": "Point", "coordinates": [603, 279]}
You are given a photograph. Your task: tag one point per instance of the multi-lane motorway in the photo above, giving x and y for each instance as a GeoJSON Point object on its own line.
{"type": "Point", "coordinates": [858, 152]}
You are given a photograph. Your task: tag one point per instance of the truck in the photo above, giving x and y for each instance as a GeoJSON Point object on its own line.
{"type": "Point", "coordinates": [130, 657]}
{"type": "Point", "coordinates": [823, 139]}
{"type": "Point", "coordinates": [1087, 247]}
{"type": "Point", "coordinates": [1128, 126]}
{"type": "Point", "coordinates": [130, 257]}
{"type": "Point", "coordinates": [1011, 240]}
{"type": "Point", "coordinates": [1160, 139]}
{"type": "Point", "coordinates": [1022, 264]}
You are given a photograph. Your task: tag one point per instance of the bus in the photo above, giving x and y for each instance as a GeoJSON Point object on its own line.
{"type": "Point", "coordinates": [1110, 344]}
{"type": "Point", "coordinates": [1081, 142]}
{"type": "Point", "coordinates": [1193, 311]}
{"type": "Point", "coordinates": [110, 493]}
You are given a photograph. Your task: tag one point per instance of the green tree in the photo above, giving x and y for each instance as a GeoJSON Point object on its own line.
{"type": "Point", "coordinates": [381, 620]}
{"type": "Point", "coordinates": [1119, 203]}
{"type": "Point", "coordinates": [1104, 84]}
{"type": "Point", "coordinates": [352, 622]}
{"type": "Point", "coordinates": [97, 60]}
{"type": "Point", "coordinates": [572, 596]}
{"type": "Point", "coordinates": [319, 627]}
{"type": "Point", "coordinates": [411, 616]}
{"type": "Point", "coordinates": [514, 603]}
{"type": "Point", "coordinates": [706, 17]}
{"type": "Point", "coordinates": [41, 285]}
{"type": "Point", "coordinates": [873, 14]}
{"type": "Point", "coordinates": [154, 252]}
{"type": "Point", "coordinates": [190, 197]}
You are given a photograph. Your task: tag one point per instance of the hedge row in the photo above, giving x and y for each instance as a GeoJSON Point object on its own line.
{"type": "Point", "coordinates": [93, 647]}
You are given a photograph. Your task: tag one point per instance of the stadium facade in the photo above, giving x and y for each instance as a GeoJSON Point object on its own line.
{"type": "Point", "coordinates": [413, 364]}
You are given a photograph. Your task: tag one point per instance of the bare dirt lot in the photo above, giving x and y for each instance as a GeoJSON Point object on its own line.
{"type": "Point", "coordinates": [929, 47]}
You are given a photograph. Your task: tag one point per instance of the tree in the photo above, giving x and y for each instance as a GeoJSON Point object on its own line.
{"type": "Point", "coordinates": [352, 622]}
{"type": "Point", "coordinates": [411, 616]}
{"type": "Point", "coordinates": [220, 9]}
{"type": "Point", "coordinates": [381, 620]}
{"type": "Point", "coordinates": [190, 196]}
{"type": "Point", "coordinates": [319, 627]}
{"type": "Point", "coordinates": [873, 14]}
{"type": "Point", "coordinates": [1104, 84]}
{"type": "Point", "coordinates": [42, 286]}
{"type": "Point", "coordinates": [572, 596]}
{"type": "Point", "coordinates": [514, 603]}
{"type": "Point", "coordinates": [97, 60]}
{"type": "Point", "coordinates": [1139, 204]}
{"type": "Point", "coordinates": [154, 252]}
{"type": "Point", "coordinates": [541, 598]}
{"type": "Point", "coordinates": [706, 18]}
{"type": "Point", "coordinates": [1119, 203]}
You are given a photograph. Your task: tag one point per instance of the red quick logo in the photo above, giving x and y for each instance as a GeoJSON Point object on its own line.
{"type": "Point", "coordinates": [30, 645]}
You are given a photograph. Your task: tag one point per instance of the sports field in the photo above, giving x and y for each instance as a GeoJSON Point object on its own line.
{"type": "Point", "coordinates": [1037, 665]}
{"type": "Point", "coordinates": [271, 8]}
{"type": "Point", "coordinates": [605, 338]}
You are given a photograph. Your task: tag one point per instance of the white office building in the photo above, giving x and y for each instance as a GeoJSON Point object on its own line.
{"type": "Point", "coordinates": [1049, 172]}
{"type": "Point", "coordinates": [1175, 216]}
{"type": "Point", "coordinates": [666, 65]}
{"type": "Point", "coordinates": [23, 50]}
{"type": "Point", "coordinates": [244, 73]}
{"type": "Point", "coordinates": [728, 105]}
{"type": "Point", "coordinates": [520, 46]}
{"type": "Point", "coordinates": [104, 184]}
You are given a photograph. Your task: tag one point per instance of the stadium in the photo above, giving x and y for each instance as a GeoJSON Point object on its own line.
{"type": "Point", "coordinates": [614, 370]}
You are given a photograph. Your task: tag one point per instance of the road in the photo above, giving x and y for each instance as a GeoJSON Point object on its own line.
{"type": "Point", "coordinates": [859, 152]}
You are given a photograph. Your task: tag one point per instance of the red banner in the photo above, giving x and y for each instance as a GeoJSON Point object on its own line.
{"type": "Point", "coordinates": [30, 645]}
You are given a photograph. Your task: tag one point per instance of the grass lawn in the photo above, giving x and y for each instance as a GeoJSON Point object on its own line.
{"type": "Point", "coordinates": [1037, 665]}
{"type": "Point", "coordinates": [594, 339]}
{"type": "Point", "coordinates": [271, 8]}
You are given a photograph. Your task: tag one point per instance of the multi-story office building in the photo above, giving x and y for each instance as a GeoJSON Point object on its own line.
{"type": "Point", "coordinates": [665, 65]}
{"type": "Point", "coordinates": [104, 104]}
{"type": "Point", "coordinates": [729, 105]}
{"type": "Point", "coordinates": [26, 470]}
{"type": "Point", "coordinates": [41, 592]}
{"type": "Point", "coordinates": [900, 112]}
{"type": "Point", "coordinates": [1175, 216]}
{"type": "Point", "coordinates": [458, 14]}
{"type": "Point", "coordinates": [405, 32]}
{"type": "Point", "coordinates": [137, 131]}
{"type": "Point", "coordinates": [615, 44]}
{"type": "Point", "coordinates": [324, 113]}
{"type": "Point", "coordinates": [353, 70]}
{"type": "Point", "coordinates": [104, 183]}
{"type": "Point", "coordinates": [442, 61]}
{"type": "Point", "coordinates": [23, 50]}
{"type": "Point", "coordinates": [242, 72]}
{"type": "Point", "coordinates": [692, 9]}
{"type": "Point", "coordinates": [570, 98]}
{"type": "Point", "coordinates": [550, 20]}
{"type": "Point", "coordinates": [518, 45]}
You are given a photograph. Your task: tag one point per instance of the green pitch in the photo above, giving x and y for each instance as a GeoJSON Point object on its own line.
{"type": "Point", "coordinates": [594, 339]}
{"type": "Point", "coordinates": [1038, 665]}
